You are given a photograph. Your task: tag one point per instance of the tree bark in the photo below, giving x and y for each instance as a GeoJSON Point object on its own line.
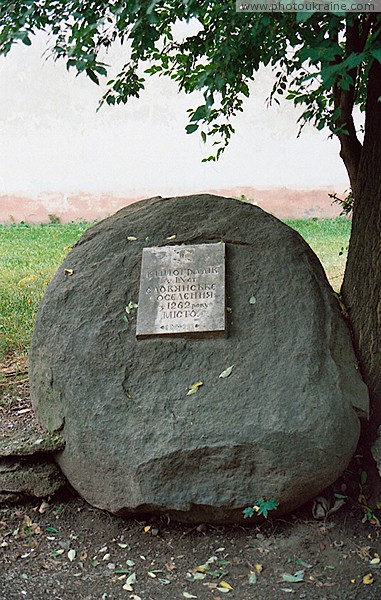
{"type": "Point", "coordinates": [361, 288]}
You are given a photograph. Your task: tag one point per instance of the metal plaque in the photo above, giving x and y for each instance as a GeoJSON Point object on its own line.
{"type": "Point", "coordinates": [182, 290]}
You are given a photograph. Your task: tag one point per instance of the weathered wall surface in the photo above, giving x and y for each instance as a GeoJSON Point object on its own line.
{"type": "Point", "coordinates": [59, 156]}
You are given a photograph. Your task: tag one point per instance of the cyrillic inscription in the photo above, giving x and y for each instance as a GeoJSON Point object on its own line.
{"type": "Point", "coordinates": [182, 290]}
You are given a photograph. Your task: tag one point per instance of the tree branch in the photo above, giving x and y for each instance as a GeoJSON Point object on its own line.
{"type": "Point", "coordinates": [344, 100]}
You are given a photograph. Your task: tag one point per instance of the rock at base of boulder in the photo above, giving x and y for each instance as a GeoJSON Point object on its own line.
{"type": "Point", "coordinates": [29, 443]}
{"type": "Point", "coordinates": [25, 478]}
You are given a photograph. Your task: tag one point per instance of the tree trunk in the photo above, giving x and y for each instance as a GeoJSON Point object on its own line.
{"type": "Point", "coordinates": [361, 289]}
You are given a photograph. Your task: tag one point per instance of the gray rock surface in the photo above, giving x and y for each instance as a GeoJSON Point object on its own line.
{"type": "Point", "coordinates": [25, 477]}
{"type": "Point", "coordinates": [284, 424]}
{"type": "Point", "coordinates": [29, 443]}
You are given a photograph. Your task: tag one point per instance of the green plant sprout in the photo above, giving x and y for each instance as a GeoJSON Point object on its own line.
{"type": "Point", "coordinates": [261, 508]}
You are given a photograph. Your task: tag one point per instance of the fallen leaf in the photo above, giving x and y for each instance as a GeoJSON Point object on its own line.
{"type": "Point", "coordinates": [223, 590]}
{"type": "Point", "coordinates": [127, 587]}
{"type": "Point", "coordinates": [131, 579]}
{"type": "Point", "coordinates": [192, 391]}
{"type": "Point", "coordinates": [301, 562]}
{"type": "Point", "coordinates": [135, 597]}
{"type": "Point", "coordinates": [131, 238]}
{"type": "Point", "coordinates": [131, 306]}
{"type": "Point", "coordinates": [69, 272]}
{"type": "Point", "coordinates": [130, 563]}
{"type": "Point", "coordinates": [51, 529]}
{"type": "Point", "coordinates": [188, 595]}
{"type": "Point", "coordinates": [106, 557]}
{"type": "Point", "coordinates": [43, 507]}
{"type": "Point", "coordinates": [226, 585]}
{"type": "Point", "coordinates": [71, 555]}
{"type": "Point", "coordinates": [193, 388]}
{"type": "Point", "coordinates": [226, 372]}
{"type": "Point", "coordinates": [150, 574]}
{"type": "Point", "coordinates": [368, 579]}
{"type": "Point", "coordinates": [147, 528]}
{"type": "Point", "coordinates": [288, 590]}
{"type": "Point", "coordinates": [121, 571]}
{"type": "Point", "coordinates": [252, 577]}
{"type": "Point", "coordinates": [173, 237]}
{"type": "Point", "coordinates": [375, 560]}
{"type": "Point", "coordinates": [123, 545]}
{"type": "Point", "coordinates": [27, 280]}
{"type": "Point", "coordinates": [320, 508]}
{"type": "Point", "coordinates": [258, 568]}
{"type": "Point", "coordinates": [296, 578]}
{"type": "Point", "coordinates": [252, 300]}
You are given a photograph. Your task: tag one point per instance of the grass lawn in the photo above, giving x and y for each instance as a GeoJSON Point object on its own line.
{"type": "Point", "coordinates": [30, 254]}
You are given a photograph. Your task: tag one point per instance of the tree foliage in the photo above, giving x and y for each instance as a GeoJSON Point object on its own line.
{"type": "Point", "coordinates": [320, 61]}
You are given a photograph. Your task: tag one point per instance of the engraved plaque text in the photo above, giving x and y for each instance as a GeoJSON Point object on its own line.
{"type": "Point", "coordinates": [182, 290]}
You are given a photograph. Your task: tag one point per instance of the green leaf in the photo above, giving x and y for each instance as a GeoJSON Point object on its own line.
{"type": "Point", "coordinates": [252, 300]}
{"type": "Point", "coordinates": [248, 512]}
{"type": "Point", "coordinates": [90, 73]}
{"type": "Point", "coordinates": [131, 306]}
{"type": "Point", "coordinates": [51, 529]}
{"type": "Point", "coordinates": [252, 578]}
{"type": "Point", "coordinates": [301, 562]}
{"type": "Point", "coordinates": [376, 53]}
{"type": "Point", "coordinates": [302, 17]}
{"type": "Point", "coordinates": [226, 373]}
{"type": "Point", "coordinates": [296, 578]}
{"type": "Point", "coordinates": [121, 571]}
{"type": "Point", "coordinates": [192, 127]}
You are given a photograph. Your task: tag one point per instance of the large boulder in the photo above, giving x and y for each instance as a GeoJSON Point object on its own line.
{"type": "Point", "coordinates": [284, 424]}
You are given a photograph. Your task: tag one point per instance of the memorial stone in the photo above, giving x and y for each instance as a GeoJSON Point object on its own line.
{"type": "Point", "coordinates": [278, 401]}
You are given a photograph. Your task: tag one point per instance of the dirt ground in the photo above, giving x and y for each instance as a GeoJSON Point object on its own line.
{"type": "Point", "coordinates": [61, 548]}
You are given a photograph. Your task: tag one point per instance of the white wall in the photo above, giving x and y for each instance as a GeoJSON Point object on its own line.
{"type": "Point", "coordinates": [56, 149]}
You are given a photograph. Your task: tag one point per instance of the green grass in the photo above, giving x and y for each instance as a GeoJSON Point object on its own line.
{"type": "Point", "coordinates": [30, 254]}
{"type": "Point", "coordinates": [329, 239]}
